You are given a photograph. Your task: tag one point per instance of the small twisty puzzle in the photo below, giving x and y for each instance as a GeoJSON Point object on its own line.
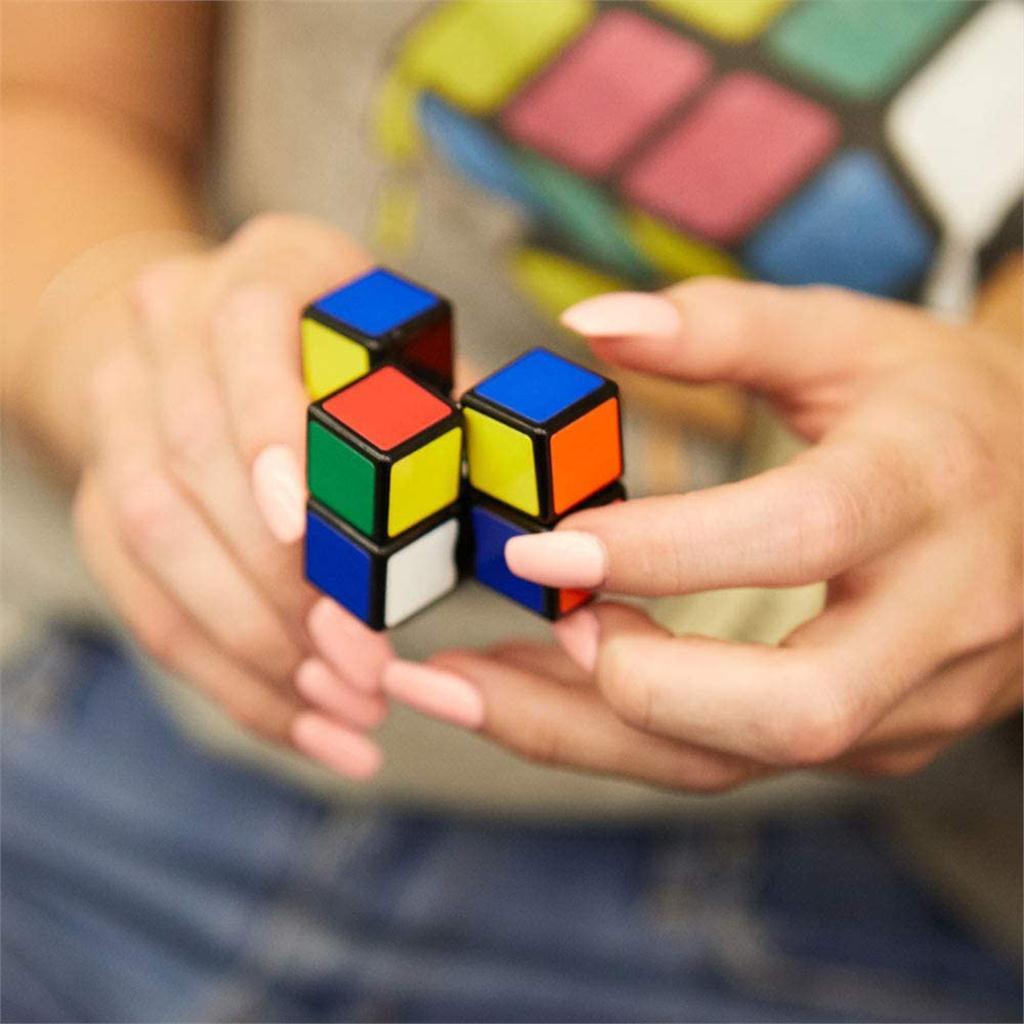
{"type": "Point", "coordinates": [389, 519]}
{"type": "Point", "coordinates": [377, 318]}
{"type": "Point", "coordinates": [543, 434]}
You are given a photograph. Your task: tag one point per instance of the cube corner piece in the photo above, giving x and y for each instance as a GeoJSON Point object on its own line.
{"type": "Point", "coordinates": [383, 585]}
{"type": "Point", "coordinates": [490, 525]}
{"type": "Point", "coordinates": [384, 453]}
{"type": "Point", "coordinates": [376, 318]}
{"type": "Point", "coordinates": [544, 434]}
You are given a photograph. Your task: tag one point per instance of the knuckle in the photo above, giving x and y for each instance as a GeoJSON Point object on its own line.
{"type": "Point", "coordinates": [810, 729]}
{"type": "Point", "coordinates": [192, 429]}
{"type": "Point", "coordinates": [147, 511]}
{"type": "Point", "coordinates": [160, 635]}
{"type": "Point", "coordinates": [266, 229]}
{"type": "Point", "coordinates": [156, 288]}
{"type": "Point", "coordinates": [829, 521]}
{"type": "Point", "coordinates": [628, 693]}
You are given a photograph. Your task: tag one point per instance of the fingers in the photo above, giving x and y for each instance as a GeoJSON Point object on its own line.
{"type": "Point", "coordinates": [833, 507]}
{"type": "Point", "coordinates": [196, 436]}
{"type": "Point", "coordinates": [168, 535]}
{"type": "Point", "coordinates": [322, 688]}
{"type": "Point", "coordinates": [167, 633]}
{"type": "Point", "coordinates": [550, 724]}
{"type": "Point", "coordinates": [782, 341]}
{"type": "Point", "coordinates": [354, 651]}
{"type": "Point", "coordinates": [806, 703]}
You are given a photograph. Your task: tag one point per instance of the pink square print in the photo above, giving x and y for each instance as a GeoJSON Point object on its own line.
{"type": "Point", "coordinates": [737, 155]}
{"type": "Point", "coordinates": [591, 107]}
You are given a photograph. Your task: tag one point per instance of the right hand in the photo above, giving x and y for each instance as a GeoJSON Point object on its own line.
{"type": "Point", "coordinates": [195, 416]}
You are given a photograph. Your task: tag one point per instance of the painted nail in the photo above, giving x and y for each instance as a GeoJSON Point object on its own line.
{"type": "Point", "coordinates": [280, 496]}
{"type": "Point", "coordinates": [328, 692]}
{"type": "Point", "coordinates": [342, 750]}
{"type": "Point", "coordinates": [353, 651]}
{"type": "Point", "coordinates": [435, 692]}
{"type": "Point", "coordinates": [579, 635]}
{"type": "Point", "coordinates": [561, 558]}
{"type": "Point", "coordinates": [623, 314]}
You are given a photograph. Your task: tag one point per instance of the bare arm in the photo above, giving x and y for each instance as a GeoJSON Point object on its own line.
{"type": "Point", "coordinates": [104, 125]}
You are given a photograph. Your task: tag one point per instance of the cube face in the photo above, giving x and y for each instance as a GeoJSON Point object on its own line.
{"type": "Point", "coordinates": [730, 162]}
{"type": "Point", "coordinates": [502, 462]}
{"type": "Point", "coordinates": [543, 435]}
{"type": "Point", "coordinates": [492, 526]}
{"type": "Point", "coordinates": [421, 572]}
{"type": "Point", "coordinates": [338, 565]}
{"type": "Point", "coordinates": [591, 107]}
{"type": "Point", "coordinates": [372, 320]}
{"type": "Point", "coordinates": [382, 585]}
{"type": "Point", "coordinates": [384, 453]}
{"type": "Point", "coordinates": [586, 455]}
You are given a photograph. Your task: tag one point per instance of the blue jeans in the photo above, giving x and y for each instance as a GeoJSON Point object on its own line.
{"type": "Point", "coordinates": [144, 879]}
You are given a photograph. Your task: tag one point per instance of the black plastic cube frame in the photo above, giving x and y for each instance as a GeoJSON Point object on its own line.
{"type": "Point", "coordinates": [389, 347]}
{"type": "Point", "coordinates": [541, 433]}
{"type": "Point", "coordinates": [605, 496]}
{"type": "Point", "coordinates": [383, 460]}
{"type": "Point", "coordinates": [380, 553]}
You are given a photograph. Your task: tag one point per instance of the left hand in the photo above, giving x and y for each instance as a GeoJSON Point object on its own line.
{"type": "Point", "coordinates": [908, 503]}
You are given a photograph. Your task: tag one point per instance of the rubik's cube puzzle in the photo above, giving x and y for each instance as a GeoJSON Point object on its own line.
{"type": "Point", "coordinates": [811, 142]}
{"type": "Point", "coordinates": [385, 454]}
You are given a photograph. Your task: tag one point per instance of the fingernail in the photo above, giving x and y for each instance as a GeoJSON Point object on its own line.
{"type": "Point", "coordinates": [579, 635]}
{"type": "Point", "coordinates": [354, 651]}
{"type": "Point", "coordinates": [623, 314]}
{"type": "Point", "coordinates": [342, 750]}
{"type": "Point", "coordinates": [561, 558]}
{"type": "Point", "coordinates": [435, 692]}
{"type": "Point", "coordinates": [327, 691]}
{"type": "Point", "coordinates": [279, 493]}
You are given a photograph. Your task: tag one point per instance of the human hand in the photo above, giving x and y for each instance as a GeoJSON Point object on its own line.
{"type": "Point", "coordinates": [908, 503]}
{"type": "Point", "coordinates": [191, 499]}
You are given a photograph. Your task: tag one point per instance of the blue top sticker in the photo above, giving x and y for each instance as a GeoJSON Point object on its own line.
{"type": "Point", "coordinates": [377, 302]}
{"type": "Point", "coordinates": [538, 385]}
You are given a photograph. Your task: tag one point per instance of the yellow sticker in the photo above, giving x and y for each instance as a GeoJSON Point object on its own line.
{"type": "Point", "coordinates": [329, 360]}
{"type": "Point", "coordinates": [501, 462]}
{"type": "Point", "coordinates": [425, 481]}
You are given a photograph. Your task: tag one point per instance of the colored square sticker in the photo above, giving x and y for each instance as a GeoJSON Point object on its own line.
{"type": "Point", "coordinates": [337, 565]}
{"type": "Point", "coordinates": [603, 94]}
{"type": "Point", "coordinates": [377, 302]}
{"type": "Point", "coordinates": [586, 455]}
{"type": "Point", "coordinates": [724, 167]}
{"type": "Point", "coordinates": [425, 481]}
{"type": "Point", "coordinates": [490, 534]}
{"type": "Point", "coordinates": [538, 385]}
{"type": "Point", "coordinates": [340, 477]}
{"type": "Point", "coordinates": [501, 462]}
{"type": "Point", "coordinates": [387, 407]}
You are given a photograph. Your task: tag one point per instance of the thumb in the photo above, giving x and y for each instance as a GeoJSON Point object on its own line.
{"type": "Point", "coordinates": [786, 342]}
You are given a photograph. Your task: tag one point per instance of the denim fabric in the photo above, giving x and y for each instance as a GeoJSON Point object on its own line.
{"type": "Point", "coordinates": [145, 880]}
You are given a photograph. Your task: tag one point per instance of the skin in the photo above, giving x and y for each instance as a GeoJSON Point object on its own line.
{"type": "Point", "coordinates": [913, 477]}
{"type": "Point", "coordinates": [908, 502]}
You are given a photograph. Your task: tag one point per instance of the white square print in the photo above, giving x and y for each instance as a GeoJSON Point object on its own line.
{"type": "Point", "coordinates": [421, 573]}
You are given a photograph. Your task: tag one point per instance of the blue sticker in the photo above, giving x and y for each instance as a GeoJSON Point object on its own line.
{"type": "Point", "coordinates": [490, 533]}
{"type": "Point", "coordinates": [539, 385]}
{"type": "Point", "coordinates": [474, 151]}
{"type": "Point", "coordinates": [852, 227]}
{"type": "Point", "coordinates": [377, 302]}
{"type": "Point", "coordinates": [337, 565]}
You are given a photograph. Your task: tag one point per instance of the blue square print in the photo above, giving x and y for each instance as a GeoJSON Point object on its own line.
{"type": "Point", "coordinates": [377, 302]}
{"type": "Point", "coordinates": [538, 385]}
{"type": "Point", "coordinates": [851, 226]}
{"type": "Point", "coordinates": [338, 566]}
{"type": "Point", "coordinates": [490, 532]}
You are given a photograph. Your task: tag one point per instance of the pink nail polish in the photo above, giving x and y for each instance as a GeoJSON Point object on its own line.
{"type": "Point", "coordinates": [579, 635]}
{"type": "Point", "coordinates": [435, 692]}
{"type": "Point", "coordinates": [342, 750]}
{"type": "Point", "coordinates": [623, 314]}
{"type": "Point", "coordinates": [561, 558]}
{"type": "Point", "coordinates": [325, 690]}
{"type": "Point", "coordinates": [279, 493]}
{"type": "Point", "coordinates": [354, 651]}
